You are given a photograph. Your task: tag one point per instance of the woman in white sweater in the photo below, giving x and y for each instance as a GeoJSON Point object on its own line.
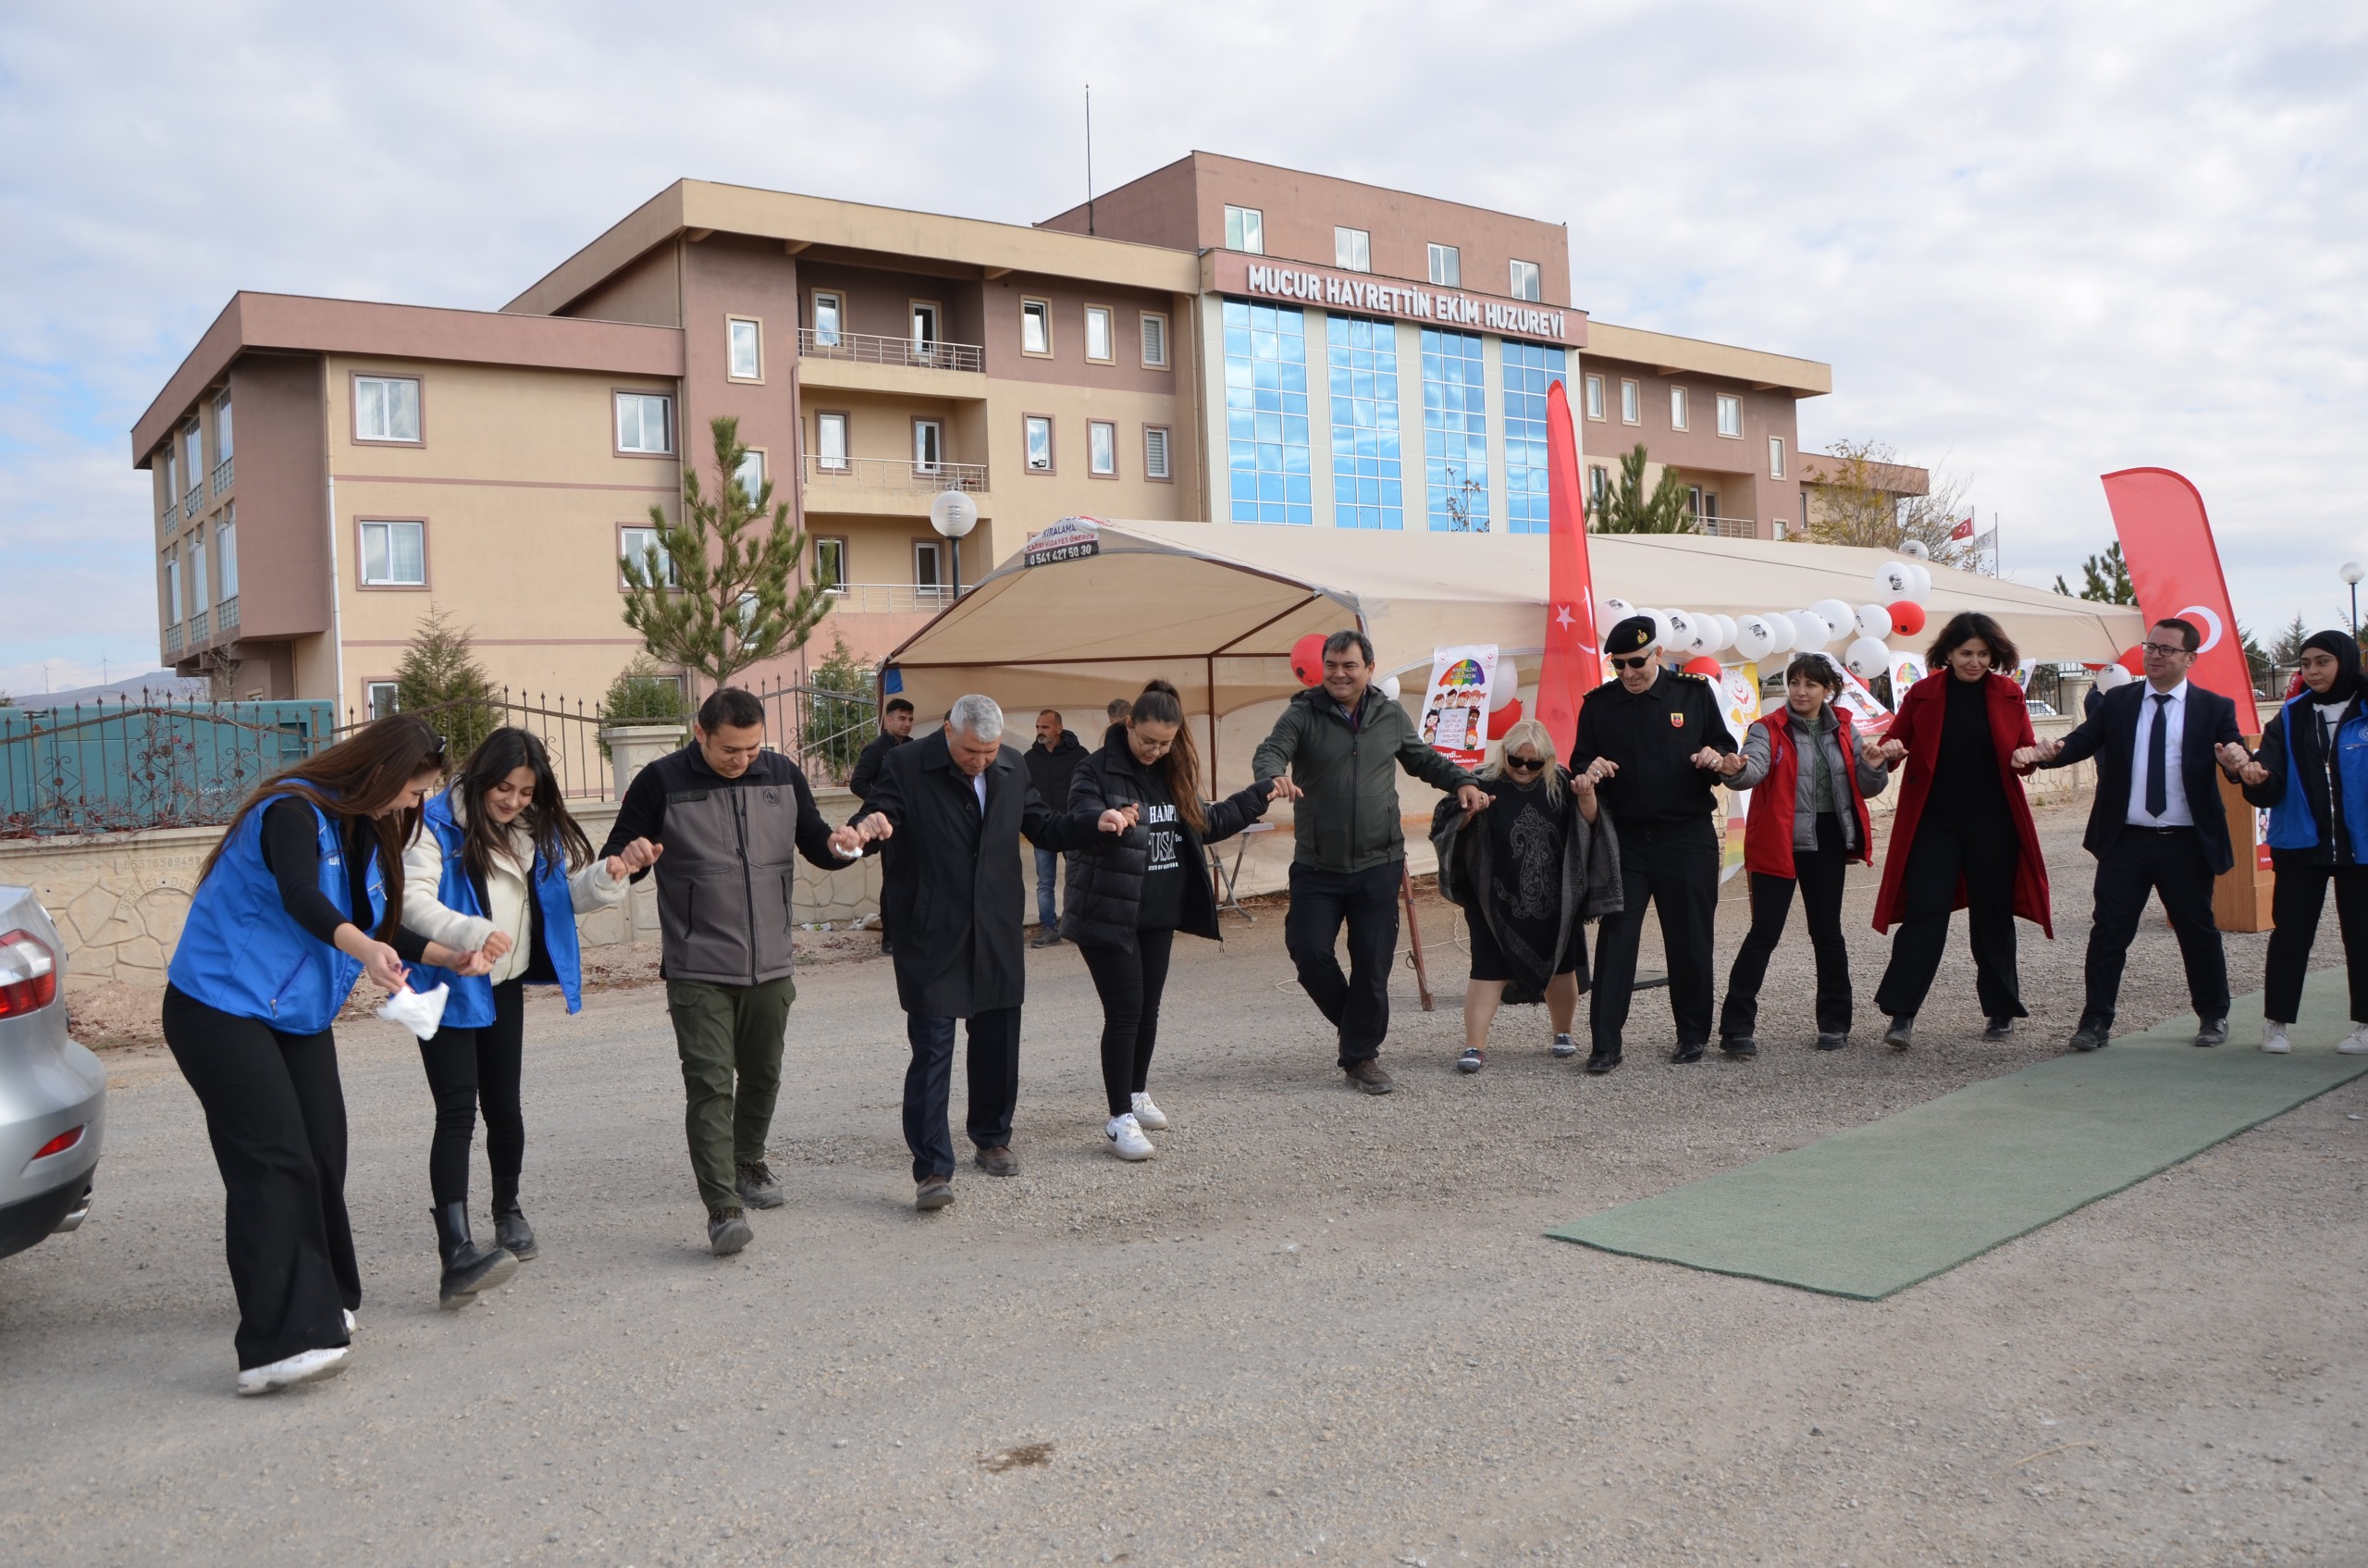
{"type": "Point", "coordinates": [500, 861]}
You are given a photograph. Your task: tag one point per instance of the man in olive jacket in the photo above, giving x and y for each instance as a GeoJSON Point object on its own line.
{"type": "Point", "coordinates": [1343, 745]}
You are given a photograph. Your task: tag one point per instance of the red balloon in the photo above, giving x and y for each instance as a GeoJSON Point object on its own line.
{"type": "Point", "coordinates": [1504, 718]}
{"type": "Point", "coordinates": [1906, 618]}
{"type": "Point", "coordinates": [1706, 666]}
{"type": "Point", "coordinates": [2133, 658]}
{"type": "Point", "coordinates": [1307, 659]}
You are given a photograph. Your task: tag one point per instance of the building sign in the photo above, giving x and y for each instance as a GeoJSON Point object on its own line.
{"type": "Point", "coordinates": [1234, 273]}
{"type": "Point", "coordinates": [1072, 538]}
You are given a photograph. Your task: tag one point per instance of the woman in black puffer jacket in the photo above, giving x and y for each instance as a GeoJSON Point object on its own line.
{"type": "Point", "coordinates": [1136, 878]}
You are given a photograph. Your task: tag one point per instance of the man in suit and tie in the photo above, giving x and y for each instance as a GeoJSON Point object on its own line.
{"type": "Point", "coordinates": [2158, 825]}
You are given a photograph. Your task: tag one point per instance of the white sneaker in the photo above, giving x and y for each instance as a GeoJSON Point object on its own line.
{"type": "Point", "coordinates": [349, 1323]}
{"type": "Point", "coordinates": [2273, 1037]}
{"type": "Point", "coordinates": [1126, 1140]}
{"type": "Point", "coordinates": [2355, 1043]}
{"type": "Point", "coordinates": [304, 1366]}
{"type": "Point", "coordinates": [1149, 1118]}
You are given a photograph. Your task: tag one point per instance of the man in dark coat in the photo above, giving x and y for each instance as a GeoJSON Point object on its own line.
{"type": "Point", "coordinates": [1051, 764]}
{"type": "Point", "coordinates": [896, 730]}
{"type": "Point", "coordinates": [2158, 826]}
{"type": "Point", "coordinates": [949, 810]}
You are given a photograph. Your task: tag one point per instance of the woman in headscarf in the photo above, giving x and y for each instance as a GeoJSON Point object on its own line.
{"type": "Point", "coordinates": [1529, 872]}
{"type": "Point", "coordinates": [2311, 774]}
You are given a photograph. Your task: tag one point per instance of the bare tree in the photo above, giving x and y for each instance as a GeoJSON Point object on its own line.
{"type": "Point", "coordinates": [1858, 502]}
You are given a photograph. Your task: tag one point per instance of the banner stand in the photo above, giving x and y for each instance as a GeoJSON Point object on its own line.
{"type": "Point", "coordinates": [1415, 937]}
{"type": "Point", "coordinates": [2240, 895]}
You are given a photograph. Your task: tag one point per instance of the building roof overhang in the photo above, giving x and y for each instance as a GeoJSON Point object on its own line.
{"type": "Point", "coordinates": [1665, 355]}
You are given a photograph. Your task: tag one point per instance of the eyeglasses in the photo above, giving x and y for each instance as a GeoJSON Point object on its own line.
{"type": "Point", "coordinates": [1524, 764]}
{"type": "Point", "coordinates": [1637, 664]}
{"type": "Point", "coordinates": [2164, 650]}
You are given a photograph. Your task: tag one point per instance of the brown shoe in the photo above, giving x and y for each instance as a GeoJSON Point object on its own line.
{"type": "Point", "coordinates": [933, 1193]}
{"type": "Point", "coordinates": [1367, 1075]}
{"type": "Point", "coordinates": [999, 1161]}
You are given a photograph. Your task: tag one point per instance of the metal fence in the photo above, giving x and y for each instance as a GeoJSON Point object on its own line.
{"type": "Point", "coordinates": [155, 763]}
{"type": "Point", "coordinates": [570, 733]}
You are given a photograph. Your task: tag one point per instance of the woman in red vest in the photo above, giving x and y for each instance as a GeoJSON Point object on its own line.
{"type": "Point", "coordinates": [1963, 837]}
{"type": "Point", "coordinates": [1809, 784]}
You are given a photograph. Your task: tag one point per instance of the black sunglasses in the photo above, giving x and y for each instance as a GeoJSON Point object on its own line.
{"type": "Point", "coordinates": [1524, 764]}
{"type": "Point", "coordinates": [1637, 664]}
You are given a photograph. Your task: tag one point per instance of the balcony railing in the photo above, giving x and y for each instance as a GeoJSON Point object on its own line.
{"type": "Point", "coordinates": [172, 641]}
{"type": "Point", "coordinates": [892, 474]}
{"type": "Point", "coordinates": [197, 628]}
{"type": "Point", "coordinates": [889, 599]}
{"type": "Point", "coordinates": [1727, 527]}
{"type": "Point", "coordinates": [226, 614]}
{"type": "Point", "coordinates": [167, 518]}
{"type": "Point", "coordinates": [222, 476]}
{"type": "Point", "coordinates": [868, 348]}
{"type": "Point", "coordinates": [192, 502]}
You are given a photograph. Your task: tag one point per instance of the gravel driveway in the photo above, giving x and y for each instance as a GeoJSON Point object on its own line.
{"type": "Point", "coordinates": [1319, 1326]}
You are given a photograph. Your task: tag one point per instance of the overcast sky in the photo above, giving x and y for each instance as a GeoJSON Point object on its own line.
{"type": "Point", "coordinates": [2037, 242]}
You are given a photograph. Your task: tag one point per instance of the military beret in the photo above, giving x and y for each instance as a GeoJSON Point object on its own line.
{"type": "Point", "coordinates": [1631, 635]}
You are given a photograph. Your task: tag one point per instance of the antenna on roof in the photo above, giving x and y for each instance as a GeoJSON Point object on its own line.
{"type": "Point", "coordinates": [1088, 157]}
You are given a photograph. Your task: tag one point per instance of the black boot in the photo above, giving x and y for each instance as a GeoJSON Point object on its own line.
{"type": "Point", "coordinates": [509, 1226]}
{"type": "Point", "coordinates": [468, 1267]}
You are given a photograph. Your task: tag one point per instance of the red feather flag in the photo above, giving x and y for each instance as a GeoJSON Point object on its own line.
{"type": "Point", "coordinates": [1573, 662]}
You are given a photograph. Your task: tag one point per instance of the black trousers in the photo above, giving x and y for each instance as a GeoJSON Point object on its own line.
{"type": "Point", "coordinates": [473, 1069]}
{"type": "Point", "coordinates": [1982, 851]}
{"type": "Point", "coordinates": [2294, 906]}
{"type": "Point", "coordinates": [2169, 861]}
{"type": "Point", "coordinates": [993, 1067]}
{"type": "Point", "coordinates": [1676, 869]}
{"type": "Point", "coordinates": [275, 1113]}
{"type": "Point", "coordinates": [1818, 873]}
{"type": "Point", "coordinates": [1356, 1003]}
{"type": "Point", "coordinates": [1131, 985]}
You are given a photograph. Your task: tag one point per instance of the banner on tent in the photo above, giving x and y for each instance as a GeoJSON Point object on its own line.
{"type": "Point", "coordinates": [1455, 705]}
{"type": "Point", "coordinates": [1072, 538]}
{"type": "Point", "coordinates": [1871, 717]}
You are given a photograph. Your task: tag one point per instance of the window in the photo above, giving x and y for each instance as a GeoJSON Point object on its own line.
{"type": "Point", "coordinates": [1524, 280]}
{"type": "Point", "coordinates": [1447, 267]}
{"type": "Point", "coordinates": [1631, 402]}
{"type": "Point", "coordinates": [1155, 453]}
{"type": "Point", "coordinates": [827, 308]}
{"type": "Point", "coordinates": [1368, 487]}
{"type": "Point", "coordinates": [222, 443]}
{"type": "Point", "coordinates": [1268, 459]}
{"type": "Point", "coordinates": [1455, 431]}
{"type": "Point", "coordinates": [1035, 327]}
{"type": "Point", "coordinates": [1098, 345]}
{"type": "Point", "coordinates": [378, 697]}
{"type": "Point", "coordinates": [929, 576]}
{"type": "Point", "coordinates": [394, 555]}
{"type": "Point", "coordinates": [385, 408]}
{"type": "Point", "coordinates": [193, 444]}
{"type": "Point", "coordinates": [172, 587]}
{"type": "Point", "coordinates": [1101, 448]}
{"type": "Point", "coordinates": [1598, 487]}
{"type": "Point", "coordinates": [924, 319]}
{"type": "Point", "coordinates": [1154, 341]}
{"type": "Point", "coordinates": [638, 545]}
{"type": "Point", "coordinates": [1677, 408]}
{"type": "Point", "coordinates": [197, 600]}
{"type": "Point", "coordinates": [752, 477]}
{"type": "Point", "coordinates": [645, 422]}
{"type": "Point", "coordinates": [929, 445]}
{"type": "Point", "coordinates": [1729, 416]}
{"type": "Point", "coordinates": [1594, 397]}
{"type": "Point", "coordinates": [1037, 431]}
{"type": "Point", "coordinates": [1245, 229]}
{"type": "Point", "coordinates": [747, 360]}
{"type": "Point", "coordinates": [1353, 249]}
{"type": "Point", "coordinates": [831, 565]}
{"type": "Point", "coordinates": [226, 545]}
{"type": "Point", "coordinates": [831, 442]}
{"type": "Point", "coordinates": [172, 491]}
{"type": "Point", "coordinates": [1775, 457]}
{"type": "Point", "coordinates": [1531, 369]}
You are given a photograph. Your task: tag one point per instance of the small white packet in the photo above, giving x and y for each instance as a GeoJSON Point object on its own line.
{"type": "Point", "coordinates": [419, 1011]}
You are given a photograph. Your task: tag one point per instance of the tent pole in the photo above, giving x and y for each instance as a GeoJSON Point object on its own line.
{"type": "Point", "coordinates": [1415, 935]}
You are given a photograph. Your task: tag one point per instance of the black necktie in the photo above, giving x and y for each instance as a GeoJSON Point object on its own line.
{"type": "Point", "coordinates": [2158, 793]}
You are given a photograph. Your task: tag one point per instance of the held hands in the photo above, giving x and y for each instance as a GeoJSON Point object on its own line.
{"type": "Point", "coordinates": [2241, 765]}
{"type": "Point", "coordinates": [383, 965]}
{"type": "Point", "coordinates": [1119, 818]}
{"type": "Point", "coordinates": [1726, 764]}
{"type": "Point", "coordinates": [1888, 753]}
{"type": "Point", "coordinates": [496, 946]}
{"type": "Point", "coordinates": [1284, 789]}
{"type": "Point", "coordinates": [1582, 790]}
{"type": "Point", "coordinates": [1598, 771]}
{"type": "Point", "coordinates": [481, 962]}
{"type": "Point", "coordinates": [1473, 799]}
{"type": "Point", "coordinates": [638, 856]}
{"type": "Point", "coordinates": [847, 842]}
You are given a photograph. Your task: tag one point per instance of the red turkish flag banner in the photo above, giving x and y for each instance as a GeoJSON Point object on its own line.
{"type": "Point", "coordinates": [2166, 540]}
{"type": "Point", "coordinates": [1964, 530]}
{"type": "Point", "coordinates": [1573, 662]}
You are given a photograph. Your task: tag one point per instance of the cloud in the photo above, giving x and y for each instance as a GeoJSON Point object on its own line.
{"type": "Point", "coordinates": [2036, 242]}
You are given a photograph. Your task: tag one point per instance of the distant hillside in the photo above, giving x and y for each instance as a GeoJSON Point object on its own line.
{"type": "Point", "coordinates": [155, 683]}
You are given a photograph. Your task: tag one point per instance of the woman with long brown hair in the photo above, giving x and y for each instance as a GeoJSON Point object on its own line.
{"type": "Point", "coordinates": [1137, 877]}
{"type": "Point", "coordinates": [302, 897]}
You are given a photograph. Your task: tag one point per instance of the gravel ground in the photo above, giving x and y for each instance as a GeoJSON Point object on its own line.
{"type": "Point", "coordinates": [1319, 1326]}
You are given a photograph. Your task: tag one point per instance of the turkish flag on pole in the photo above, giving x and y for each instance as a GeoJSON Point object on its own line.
{"type": "Point", "coordinates": [1964, 530]}
{"type": "Point", "coordinates": [2175, 566]}
{"type": "Point", "coordinates": [1573, 662]}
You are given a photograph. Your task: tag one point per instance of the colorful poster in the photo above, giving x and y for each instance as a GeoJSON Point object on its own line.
{"type": "Point", "coordinates": [1455, 705]}
{"type": "Point", "coordinates": [1739, 700]}
{"type": "Point", "coordinates": [1872, 717]}
{"type": "Point", "coordinates": [1906, 669]}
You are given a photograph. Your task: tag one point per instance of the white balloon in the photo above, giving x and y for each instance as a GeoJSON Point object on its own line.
{"type": "Point", "coordinates": [1894, 580]}
{"type": "Point", "coordinates": [1389, 687]}
{"type": "Point", "coordinates": [1923, 580]}
{"type": "Point", "coordinates": [1663, 633]}
{"type": "Point", "coordinates": [2113, 675]}
{"type": "Point", "coordinates": [1917, 550]}
{"type": "Point", "coordinates": [1781, 632]}
{"type": "Point", "coordinates": [1874, 621]}
{"type": "Point", "coordinates": [1680, 630]}
{"type": "Point", "coordinates": [1726, 631]}
{"type": "Point", "coordinates": [1507, 691]}
{"type": "Point", "coordinates": [1835, 613]}
{"type": "Point", "coordinates": [1755, 638]}
{"type": "Point", "coordinates": [1867, 659]}
{"type": "Point", "coordinates": [1611, 612]}
{"type": "Point", "coordinates": [1816, 630]}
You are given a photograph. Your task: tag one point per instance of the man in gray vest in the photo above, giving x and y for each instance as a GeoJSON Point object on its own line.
{"type": "Point", "coordinates": [729, 818]}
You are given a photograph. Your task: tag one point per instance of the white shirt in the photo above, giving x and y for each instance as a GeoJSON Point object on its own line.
{"type": "Point", "coordinates": [979, 788]}
{"type": "Point", "coordinates": [2176, 813]}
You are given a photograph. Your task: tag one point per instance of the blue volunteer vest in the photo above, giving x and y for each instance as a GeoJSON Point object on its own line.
{"type": "Point", "coordinates": [471, 1004]}
{"type": "Point", "coordinates": [241, 951]}
{"type": "Point", "coordinates": [2291, 825]}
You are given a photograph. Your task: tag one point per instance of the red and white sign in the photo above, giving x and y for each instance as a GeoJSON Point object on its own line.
{"type": "Point", "coordinates": [1574, 663]}
{"type": "Point", "coordinates": [2175, 566]}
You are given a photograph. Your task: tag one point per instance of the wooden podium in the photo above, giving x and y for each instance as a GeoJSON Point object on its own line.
{"type": "Point", "coordinates": [2240, 896]}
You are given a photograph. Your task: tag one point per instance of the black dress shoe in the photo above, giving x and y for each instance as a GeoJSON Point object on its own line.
{"type": "Point", "coordinates": [1740, 1045]}
{"type": "Point", "coordinates": [2090, 1035]}
{"type": "Point", "coordinates": [1834, 1041]}
{"type": "Point", "coordinates": [1687, 1051]}
{"type": "Point", "coordinates": [1902, 1032]}
{"type": "Point", "coordinates": [1999, 1029]}
{"type": "Point", "coordinates": [1602, 1062]}
{"type": "Point", "coordinates": [2213, 1033]}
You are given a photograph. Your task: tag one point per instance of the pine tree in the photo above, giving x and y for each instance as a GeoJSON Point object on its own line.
{"type": "Point", "coordinates": [440, 679]}
{"type": "Point", "coordinates": [1628, 510]}
{"type": "Point", "coordinates": [2107, 578]}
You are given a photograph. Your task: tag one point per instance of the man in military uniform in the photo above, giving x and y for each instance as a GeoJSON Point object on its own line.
{"type": "Point", "coordinates": [1656, 744]}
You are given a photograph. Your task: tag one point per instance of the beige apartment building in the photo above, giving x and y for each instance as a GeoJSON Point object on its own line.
{"type": "Point", "coordinates": [1219, 341]}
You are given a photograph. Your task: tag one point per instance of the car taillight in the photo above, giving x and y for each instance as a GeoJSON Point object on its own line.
{"type": "Point", "coordinates": [59, 1145]}
{"type": "Point", "coordinates": [28, 973]}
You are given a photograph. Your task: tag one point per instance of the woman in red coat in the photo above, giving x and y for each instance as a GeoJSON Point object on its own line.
{"type": "Point", "coordinates": [1962, 836]}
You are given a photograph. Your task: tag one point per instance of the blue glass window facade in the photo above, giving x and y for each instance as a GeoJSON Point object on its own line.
{"type": "Point", "coordinates": [1265, 415]}
{"type": "Point", "coordinates": [1455, 431]}
{"type": "Point", "coordinates": [1367, 487]}
{"type": "Point", "coordinates": [1530, 369]}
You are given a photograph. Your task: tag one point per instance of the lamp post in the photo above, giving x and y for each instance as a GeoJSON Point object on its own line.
{"type": "Point", "coordinates": [954, 514]}
{"type": "Point", "coordinates": [2352, 573]}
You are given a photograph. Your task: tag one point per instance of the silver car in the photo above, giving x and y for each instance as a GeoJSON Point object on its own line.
{"type": "Point", "coordinates": [52, 1092]}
